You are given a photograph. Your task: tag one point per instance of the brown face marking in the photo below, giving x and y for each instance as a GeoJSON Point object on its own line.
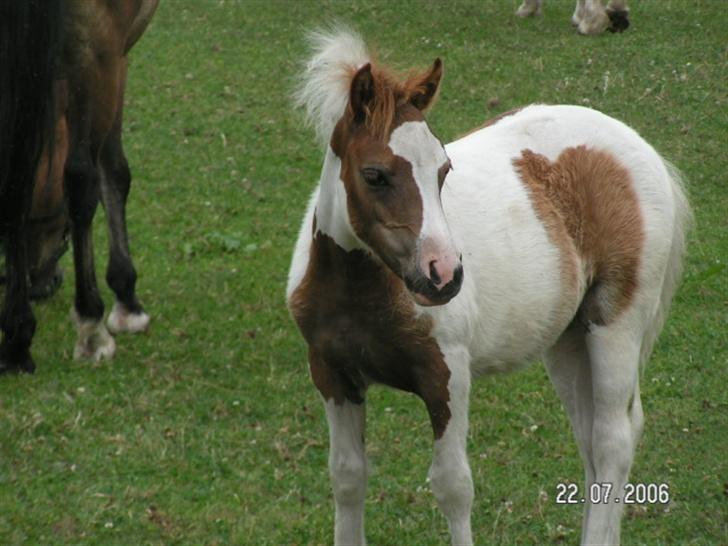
{"type": "Point", "coordinates": [388, 219]}
{"type": "Point", "coordinates": [587, 202]}
{"type": "Point", "coordinates": [361, 328]}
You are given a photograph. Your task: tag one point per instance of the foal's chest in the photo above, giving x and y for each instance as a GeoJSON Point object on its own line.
{"type": "Point", "coordinates": [361, 326]}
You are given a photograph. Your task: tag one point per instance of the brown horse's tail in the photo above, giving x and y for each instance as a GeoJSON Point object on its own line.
{"type": "Point", "coordinates": [30, 53]}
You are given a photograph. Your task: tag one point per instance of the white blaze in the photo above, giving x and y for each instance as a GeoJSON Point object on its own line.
{"type": "Point", "coordinates": [414, 142]}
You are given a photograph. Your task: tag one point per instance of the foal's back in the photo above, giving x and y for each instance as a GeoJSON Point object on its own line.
{"type": "Point", "coordinates": [547, 206]}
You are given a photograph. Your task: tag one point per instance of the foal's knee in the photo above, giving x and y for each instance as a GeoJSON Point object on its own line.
{"type": "Point", "coordinates": [348, 477]}
{"type": "Point", "coordinates": [613, 445]}
{"type": "Point", "coordinates": [452, 486]}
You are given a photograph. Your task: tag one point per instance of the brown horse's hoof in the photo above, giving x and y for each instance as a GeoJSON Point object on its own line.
{"type": "Point", "coordinates": [24, 365]}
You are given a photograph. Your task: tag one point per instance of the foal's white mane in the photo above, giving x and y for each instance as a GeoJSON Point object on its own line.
{"type": "Point", "coordinates": [337, 53]}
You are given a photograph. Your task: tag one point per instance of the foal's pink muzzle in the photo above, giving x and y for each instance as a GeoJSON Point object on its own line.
{"type": "Point", "coordinates": [439, 274]}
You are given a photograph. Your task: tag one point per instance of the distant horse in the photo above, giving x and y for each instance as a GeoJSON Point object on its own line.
{"type": "Point", "coordinates": [590, 16]}
{"type": "Point", "coordinates": [62, 80]}
{"type": "Point", "coordinates": [554, 231]}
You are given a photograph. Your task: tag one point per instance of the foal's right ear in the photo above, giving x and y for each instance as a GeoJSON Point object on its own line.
{"type": "Point", "coordinates": [361, 93]}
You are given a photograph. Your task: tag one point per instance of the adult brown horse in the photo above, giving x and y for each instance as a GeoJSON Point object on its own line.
{"type": "Point", "coordinates": [62, 80]}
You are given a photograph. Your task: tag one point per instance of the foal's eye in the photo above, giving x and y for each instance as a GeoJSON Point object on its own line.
{"type": "Point", "coordinates": [375, 177]}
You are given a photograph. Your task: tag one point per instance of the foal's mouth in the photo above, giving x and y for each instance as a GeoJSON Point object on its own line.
{"type": "Point", "coordinates": [425, 292]}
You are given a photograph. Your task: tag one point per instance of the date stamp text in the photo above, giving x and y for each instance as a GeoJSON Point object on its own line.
{"type": "Point", "coordinates": [604, 493]}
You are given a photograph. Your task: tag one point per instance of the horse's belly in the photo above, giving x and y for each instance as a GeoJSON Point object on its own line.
{"type": "Point", "coordinates": [517, 296]}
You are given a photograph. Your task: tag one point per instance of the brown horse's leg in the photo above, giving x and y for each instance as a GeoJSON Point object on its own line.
{"type": "Point", "coordinates": [29, 48]}
{"type": "Point", "coordinates": [82, 190]}
{"type": "Point", "coordinates": [127, 314]}
{"type": "Point", "coordinates": [17, 321]}
{"type": "Point", "coordinates": [48, 223]}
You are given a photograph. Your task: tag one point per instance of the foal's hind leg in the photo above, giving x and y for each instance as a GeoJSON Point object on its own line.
{"type": "Point", "coordinates": [614, 353]}
{"type": "Point", "coordinates": [82, 186]}
{"type": "Point", "coordinates": [127, 314]}
{"type": "Point", "coordinates": [567, 363]}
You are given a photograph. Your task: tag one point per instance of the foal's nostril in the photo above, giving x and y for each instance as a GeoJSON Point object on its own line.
{"type": "Point", "coordinates": [434, 277]}
{"type": "Point", "coordinates": [457, 278]}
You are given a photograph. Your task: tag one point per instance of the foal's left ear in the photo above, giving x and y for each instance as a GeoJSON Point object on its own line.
{"type": "Point", "coordinates": [424, 88]}
{"type": "Point", "coordinates": [361, 93]}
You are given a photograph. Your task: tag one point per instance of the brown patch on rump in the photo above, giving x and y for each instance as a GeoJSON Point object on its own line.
{"type": "Point", "coordinates": [361, 328]}
{"type": "Point", "coordinates": [587, 196]}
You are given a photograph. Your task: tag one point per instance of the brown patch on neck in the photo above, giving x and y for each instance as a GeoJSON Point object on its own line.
{"type": "Point", "coordinates": [361, 328]}
{"type": "Point", "coordinates": [588, 196]}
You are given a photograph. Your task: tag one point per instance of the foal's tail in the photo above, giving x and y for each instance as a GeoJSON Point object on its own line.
{"type": "Point", "coordinates": [673, 273]}
{"type": "Point", "coordinates": [30, 50]}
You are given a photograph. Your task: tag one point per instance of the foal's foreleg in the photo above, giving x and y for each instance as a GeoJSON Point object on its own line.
{"type": "Point", "coordinates": [450, 477]}
{"type": "Point", "coordinates": [618, 420]}
{"type": "Point", "coordinates": [348, 468]}
{"type": "Point", "coordinates": [127, 314]}
{"type": "Point", "coordinates": [82, 187]}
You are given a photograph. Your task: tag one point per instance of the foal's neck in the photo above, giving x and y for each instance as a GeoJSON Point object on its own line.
{"type": "Point", "coordinates": [332, 216]}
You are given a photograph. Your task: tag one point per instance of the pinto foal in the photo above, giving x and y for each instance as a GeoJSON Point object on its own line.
{"type": "Point", "coordinates": [559, 229]}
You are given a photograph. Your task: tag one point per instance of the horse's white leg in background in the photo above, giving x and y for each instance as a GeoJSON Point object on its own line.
{"type": "Point", "coordinates": [348, 468]}
{"type": "Point", "coordinates": [567, 363]}
{"type": "Point", "coordinates": [530, 7]}
{"type": "Point", "coordinates": [614, 353]}
{"type": "Point", "coordinates": [450, 477]}
{"type": "Point", "coordinates": [578, 13]}
{"type": "Point", "coordinates": [617, 5]}
{"type": "Point", "coordinates": [618, 13]}
{"type": "Point", "coordinates": [595, 19]}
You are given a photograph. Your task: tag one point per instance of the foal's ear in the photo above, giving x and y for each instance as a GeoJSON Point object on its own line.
{"type": "Point", "coordinates": [424, 88]}
{"type": "Point", "coordinates": [361, 93]}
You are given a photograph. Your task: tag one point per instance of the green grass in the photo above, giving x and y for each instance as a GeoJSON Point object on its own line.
{"type": "Point", "coordinates": [207, 429]}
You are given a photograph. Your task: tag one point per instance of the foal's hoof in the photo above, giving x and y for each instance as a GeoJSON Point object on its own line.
{"type": "Point", "coordinates": [122, 320]}
{"type": "Point", "coordinates": [94, 340]}
{"type": "Point", "coordinates": [618, 20]}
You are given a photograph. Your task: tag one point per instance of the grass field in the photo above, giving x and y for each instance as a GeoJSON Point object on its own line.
{"type": "Point", "coordinates": [207, 430]}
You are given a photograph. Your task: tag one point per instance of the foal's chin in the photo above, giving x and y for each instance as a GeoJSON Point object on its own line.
{"type": "Point", "coordinates": [426, 301]}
